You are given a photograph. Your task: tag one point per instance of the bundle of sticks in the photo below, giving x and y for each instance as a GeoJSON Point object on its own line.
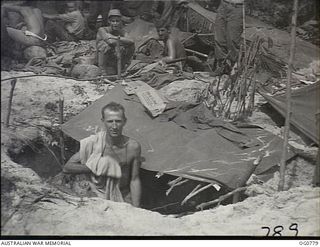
{"type": "Point", "coordinates": [238, 91]}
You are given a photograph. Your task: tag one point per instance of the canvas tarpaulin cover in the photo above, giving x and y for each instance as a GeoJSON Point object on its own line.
{"type": "Point", "coordinates": [202, 155]}
{"type": "Point", "coordinates": [305, 106]}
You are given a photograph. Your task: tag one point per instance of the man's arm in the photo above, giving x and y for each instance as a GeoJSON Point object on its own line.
{"type": "Point", "coordinates": [135, 184]}
{"type": "Point", "coordinates": [171, 52]}
{"type": "Point", "coordinates": [101, 43]}
{"type": "Point", "coordinates": [74, 165]}
{"type": "Point", "coordinates": [126, 40]}
{"type": "Point", "coordinates": [64, 17]}
{"type": "Point", "coordinates": [50, 17]}
{"type": "Point", "coordinates": [111, 39]}
{"type": "Point", "coordinates": [12, 8]}
{"type": "Point", "coordinates": [20, 25]}
{"type": "Point", "coordinates": [102, 34]}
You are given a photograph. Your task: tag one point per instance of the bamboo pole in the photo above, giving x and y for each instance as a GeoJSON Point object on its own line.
{"type": "Point", "coordinates": [288, 97]}
{"type": "Point", "coordinates": [244, 29]}
{"type": "Point", "coordinates": [118, 59]}
{"type": "Point", "coordinates": [197, 53]}
{"type": "Point", "coordinates": [62, 149]}
{"type": "Point", "coordinates": [13, 85]}
{"type": "Point", "coordinates": [192, 36]}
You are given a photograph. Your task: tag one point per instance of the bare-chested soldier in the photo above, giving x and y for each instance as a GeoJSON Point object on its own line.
{"type": "Point", "coordinates": [173, 48]}
{"type": "Point", "coordinates": [112, 159]}
{"type": "Point", "coordinates": [31, 31]}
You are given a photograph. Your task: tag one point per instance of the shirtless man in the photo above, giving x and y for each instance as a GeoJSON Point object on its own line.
{"type": "Point", "coordinates": [173, 48]}
{"type": "Point", "coordinates": [107, 38]}
{"type": "Point", "coordinates": [118, 148]}
{"type": "Point", "coordinates": [31, 31]}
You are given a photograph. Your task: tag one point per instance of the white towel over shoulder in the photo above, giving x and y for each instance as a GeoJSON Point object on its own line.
{"type": "Point", "coordinates": [91, 150]}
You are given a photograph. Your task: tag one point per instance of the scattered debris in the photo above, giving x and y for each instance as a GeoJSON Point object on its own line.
{"type": "Point", "coordinates": [27, 198]}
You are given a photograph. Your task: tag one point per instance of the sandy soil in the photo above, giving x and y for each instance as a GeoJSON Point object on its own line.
{"type": "Point", "coordinates": [35, 105]}
{"type": "Point", "coordinates": [30, 206]}
{"type": "Point", "coordinates": [38, 209]}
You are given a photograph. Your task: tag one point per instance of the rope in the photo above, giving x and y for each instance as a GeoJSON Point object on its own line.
{"type": "Point", "coordinates": [60, 76]}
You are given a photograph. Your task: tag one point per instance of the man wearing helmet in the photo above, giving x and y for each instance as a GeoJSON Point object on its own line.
{"type": "Point", "coordinates": [106, 41]}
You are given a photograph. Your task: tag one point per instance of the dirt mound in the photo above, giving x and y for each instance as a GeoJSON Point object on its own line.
{"type": "Point", "coordinates": [31, 206]}
{"type": "Point", "coordinates": [35, 105]}
{"type": "Point", "coordinates": [32, 200]}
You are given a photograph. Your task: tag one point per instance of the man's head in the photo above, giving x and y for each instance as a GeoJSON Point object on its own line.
{"type": "Point", "coordinates": [182, 3]}
{"type": "Point", "coordinates": [113, 118]}
{"type": "Point", "coordinates": [163, 32]}
{"type": "Point", "coordinates": [115, 19]}
{"type": "Point", "coordinates": [71, 6]}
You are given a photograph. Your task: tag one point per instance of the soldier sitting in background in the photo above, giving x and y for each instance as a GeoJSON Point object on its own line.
{"type": "Point", "coordinates": [69, 26]}
{"type": "Point", "coordinates": [173, 48]}
{"type": "Point", "coordinates": [107, 38]}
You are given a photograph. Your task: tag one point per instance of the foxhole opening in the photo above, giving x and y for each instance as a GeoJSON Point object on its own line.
{"type": "Point", "coordinates": [158, 194]}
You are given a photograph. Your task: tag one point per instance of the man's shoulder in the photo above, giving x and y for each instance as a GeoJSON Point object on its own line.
{"type": "Point", "coordinates": [75, 13]}
{"type": "Point", "coordinates": [171, 40]}
{"type": "Point", "coordinates": [174, 39]}
{"type": "Point", "coordinates": [36, 10]}
{"type": "Point", "coordinates": [94, 137]}
{"type": "Point", "coordinates": [133, 144]}
{"type": "Point", "coordinates": [106, 29]}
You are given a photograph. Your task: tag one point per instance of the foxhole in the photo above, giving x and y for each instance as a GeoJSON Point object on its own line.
{"type": "Point", "coordinates": [161, 193]}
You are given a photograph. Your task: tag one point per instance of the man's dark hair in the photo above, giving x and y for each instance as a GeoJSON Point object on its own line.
{"type": "Point", "coordinates": [29, 4]}
{"type": "Point", "coordinates": [115, 107]}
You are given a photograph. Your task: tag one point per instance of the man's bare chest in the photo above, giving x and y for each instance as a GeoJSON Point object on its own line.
{"type": "Point", "coordinates": [121, 154]}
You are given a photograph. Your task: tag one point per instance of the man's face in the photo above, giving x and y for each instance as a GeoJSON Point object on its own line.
{"type": "Point", "coordinates": [71, 7]}
{"type": "Point", "coordinates": [183, 4]}
{"type": "Point", "coordinates": [114, 122]}
{"type": "Point", "coordinates": [115, 23]}
{"type": "Point", "coordinates": [163, 33]}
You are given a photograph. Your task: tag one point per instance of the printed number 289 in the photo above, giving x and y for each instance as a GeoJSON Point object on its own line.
{"type": "Point", "coordinates": [278, 229]}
